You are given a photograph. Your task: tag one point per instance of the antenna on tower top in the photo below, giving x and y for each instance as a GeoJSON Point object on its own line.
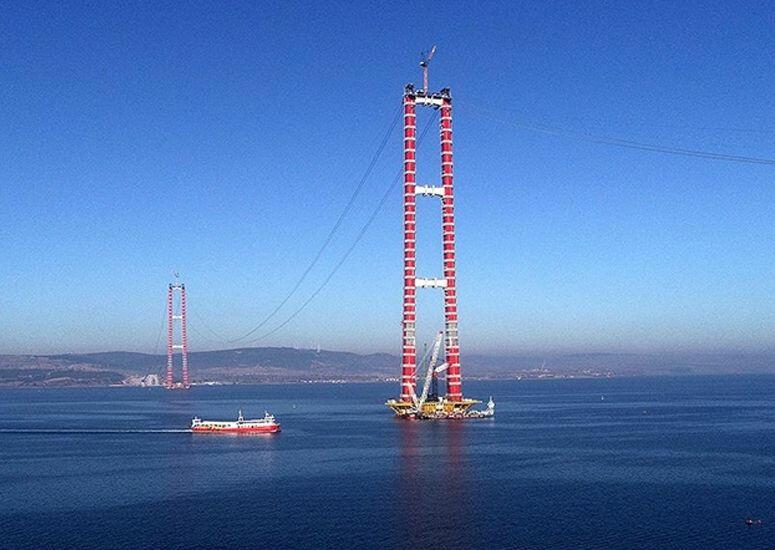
{"type": "Point", "coordinates": [424, 62]}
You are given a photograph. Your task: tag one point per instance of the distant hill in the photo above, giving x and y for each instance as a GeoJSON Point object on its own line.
{"type": "Point", "coordinates": [244, 365]}
{"type": "Point", "coordinates": [626, 364]}
{"type": "Point", "coordinates": [273, 365]}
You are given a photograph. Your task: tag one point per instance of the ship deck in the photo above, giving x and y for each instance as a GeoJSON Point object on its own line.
{"type": "Point", "coordinates": [440, 409]}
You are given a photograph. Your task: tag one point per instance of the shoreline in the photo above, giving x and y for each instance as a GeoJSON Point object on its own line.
{"type": "Point", "coordinates": [333, 382]}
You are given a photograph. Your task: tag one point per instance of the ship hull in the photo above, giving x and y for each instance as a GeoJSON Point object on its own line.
{"type": "Point", "coordinates": [266, 425]}
{"type": "Point", "coordinates": [266, 429]}
{"type": "Point", "coordinates": [443, 409]}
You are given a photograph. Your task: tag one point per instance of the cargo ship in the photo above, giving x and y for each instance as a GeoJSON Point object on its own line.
{"type": "Point", "coordinates": [266, 425]}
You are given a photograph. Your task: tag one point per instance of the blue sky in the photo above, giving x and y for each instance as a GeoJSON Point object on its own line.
{"type": "Point", "coordinates": [223, 140]}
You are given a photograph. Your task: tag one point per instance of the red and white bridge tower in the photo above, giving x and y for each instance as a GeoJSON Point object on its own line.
{"type": "Point", "coordinates": [177, 315]}
{"type": "Point", "coordinates": [453, 403]}
{"type": "Point", "coordinates": [445, 193]}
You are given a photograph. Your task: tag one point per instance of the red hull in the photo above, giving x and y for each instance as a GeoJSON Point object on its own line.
{"type": "Point", "coordinates": [270, 429]}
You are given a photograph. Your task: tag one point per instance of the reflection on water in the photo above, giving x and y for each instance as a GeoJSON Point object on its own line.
{"type": "Point", "coordinates": [658, 463]}
{"type": "Point", "coordinates": [434, 486]}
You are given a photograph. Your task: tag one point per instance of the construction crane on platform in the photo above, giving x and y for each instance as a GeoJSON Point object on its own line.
{"type": "Point", "coordinates": [429, 404]}
{"type": "Point", "coordinates": [430, 374]}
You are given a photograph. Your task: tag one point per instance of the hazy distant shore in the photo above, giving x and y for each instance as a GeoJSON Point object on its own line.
{"type": "Point", "coordinates": [306, 366]}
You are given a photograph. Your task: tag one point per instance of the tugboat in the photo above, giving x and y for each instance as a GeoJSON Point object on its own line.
{"type": "Point", "coordinates": [486, 413]}
{"type": "Point", "coordinates": [266, 425]}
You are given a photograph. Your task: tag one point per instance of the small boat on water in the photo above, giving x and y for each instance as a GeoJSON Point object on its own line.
{"type": "Point", "coordinates": [265, 425]}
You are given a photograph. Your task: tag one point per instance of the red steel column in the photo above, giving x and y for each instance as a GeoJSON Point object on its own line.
{"type": "Point", "coordinates": [451, 345]}
{"type": "Point", "coordinates": [409, 353]}
{"type": "Point", "coordinates": [168, 382]}
{"type": "Point", "coordinates": [184, 336]}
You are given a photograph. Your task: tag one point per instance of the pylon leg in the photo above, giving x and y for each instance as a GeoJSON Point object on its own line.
{"type": "Point", "coordinates": [452, 347]}
{"type": "Point", "coordinates": [409, 349]}
{"type": "Point", "coordinates": [168, 381]}
{"type": "Point", "coordinates": [184, 338]}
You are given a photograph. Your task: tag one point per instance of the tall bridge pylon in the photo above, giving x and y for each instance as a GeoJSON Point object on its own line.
{"type": "Point", "coordinates": [453, 404]}
{"type": "Point", "coordinates": [445, 193]}
{"type": "Point", "coordinates": [176, 313]}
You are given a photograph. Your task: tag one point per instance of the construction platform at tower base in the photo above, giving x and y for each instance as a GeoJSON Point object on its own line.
{"type": "Point", "coordinates": [440, 409]}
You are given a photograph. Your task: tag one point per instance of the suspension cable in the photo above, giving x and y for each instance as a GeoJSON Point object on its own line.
{"type": "Point", "coordinates": [332, 232]}
{"type": "Point", "coordinates": [349, 251]}
{"type": "Point", "coordinates": [625, 143]}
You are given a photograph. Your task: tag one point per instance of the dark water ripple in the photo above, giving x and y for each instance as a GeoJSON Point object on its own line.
{"type": "Point", "coordinates": [621, 463]}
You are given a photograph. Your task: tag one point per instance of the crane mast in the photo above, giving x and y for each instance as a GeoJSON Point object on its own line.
{"type": "Point", "coordinates": [431, 368]}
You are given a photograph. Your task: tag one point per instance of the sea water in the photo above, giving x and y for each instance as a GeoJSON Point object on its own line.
{"type": "Point", "coordinates": [599, 463]}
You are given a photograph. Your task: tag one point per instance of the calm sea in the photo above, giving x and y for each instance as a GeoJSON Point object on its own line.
{"type": "Point", "coordinates": [620, 463]}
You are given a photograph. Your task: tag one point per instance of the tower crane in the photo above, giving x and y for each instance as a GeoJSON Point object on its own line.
{"type": "Point", "coordinates": [432, 369]}
{"type": "Point", "coordinates": [412, 393]}
{"type": "Point", "coordinates": [424, 62]}
{"type": "Point", "coordinates": [430, 372]}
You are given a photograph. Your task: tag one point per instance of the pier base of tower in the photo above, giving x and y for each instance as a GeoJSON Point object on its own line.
{"type": "Point", "coordinates": [440, 409]}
